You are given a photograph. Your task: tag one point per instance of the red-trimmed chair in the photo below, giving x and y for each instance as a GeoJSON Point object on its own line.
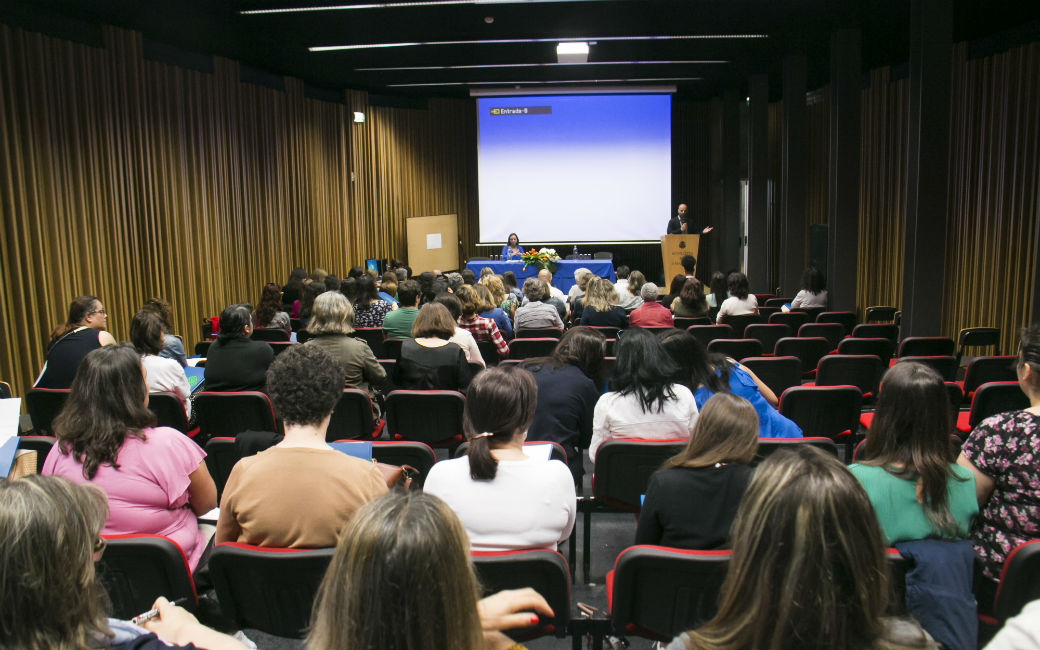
{"type": "Point", "coordinates": [221, 456]}
{"type": "Point", "coordinates": [847, 319]}
{"type": "Point", "coordinates": [926, 346]}
{"type": "Point", "coordinates": [764, 313]}
{"type": "Point", "coordinates": [40, 444]}
{"type": "Point", "coordinates": [971, 337]}
{"type": "Point", "coordinates": [657, 592]}
{"type": "Point", "coordinates": [953, 391]}
{"type": "Point", "coordinates": [488, 352]}
{"type": "Point", "coordinates": [833, 332]}
{"type": "Point", "coordinates": [685, 322]}
{"type": "Point", "coordinates": [982, 370]}
{"type": "Point", "coordinates": [406, 452]}
{"type": "Point", "coordinates": [992, 398]}
{"type": "Point", "coordinates": [767, 446]}
{"type": "Point", "coordinates": [352, 418]}
{"type": "Point", "coordinates": [374, 337]}
{"type": "Point", "coordinates": [880, 347]}
{"type": "Point", "coordinates": [540, 333]}
{"type": "Point", "coordinates": [767, 334]}
{"type": "Point", "coordinates": [557, 452]}
{"type": "Point", "coordinates": [808, 349]}
{"type": "Point", "coordinates": [280, 346]}
{"type": "Point", "coordinates": [880, 314]}
{"type": "Point", "coordinates": [392, 348]}
{"type": "Point", "coordinates": [169, 412]}
{"type": "Point", "coordinates": [1019, 581]}
{"type": "Point", "coordinates": [228, 414]}
{"type": "Point", "coordinates": [708, 333]}
{"type": "Point", "coordinates": [739, 322]}
{"type": "Point", "coordinates": [43, 405]}
{"type": "Point", "coordinates": [270, 335]}
{"type": "Point", "coordinates": [877, 331]}
{"type": "Point", "coordinates": [528, 348]}
{"type": "Point", "coordinates": [653, 329]}
{"type": "Point", "coordinates": [271, 590]}
{"type": "Point", "coordinates": [543, 570]}
{"type": "Point", "coordinates": [430, 416]}
{"type": "Point", "coordinates": [862, 371]}
{"type": "Point", "coordinates": [202, 348]}
{"type": "Point", "coordinates": [606, 331]}
{"type": "Point", "coordinates": [777, 302]}
{"type": "Point", "coordinates": [137, 569]}
{"type": "Point", "coordinates": [736, 348]}
{"type": "Point", "coordinates": [946, 366]}
{"type": "Point", "coordinates": [779, 373]}
{"type": "Point", "coordinates": [827, 411]}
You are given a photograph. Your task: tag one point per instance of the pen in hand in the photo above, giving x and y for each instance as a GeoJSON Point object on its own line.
{"type": "Point", "coordinates": [154, 612]}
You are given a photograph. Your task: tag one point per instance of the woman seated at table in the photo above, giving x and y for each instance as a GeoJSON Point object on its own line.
{"type": "Point", "coordinates": [512, 250]}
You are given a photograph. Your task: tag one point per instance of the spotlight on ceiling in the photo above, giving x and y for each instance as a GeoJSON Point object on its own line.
{"type": "Point", "coordinates": [572, 52]}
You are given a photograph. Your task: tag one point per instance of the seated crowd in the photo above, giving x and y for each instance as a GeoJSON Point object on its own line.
{"type": "Point", "coordinates": [808, 534]}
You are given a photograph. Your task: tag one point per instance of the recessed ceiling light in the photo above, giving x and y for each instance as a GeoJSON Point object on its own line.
{"type": "Point", "coordinates": [529, 65]}
{"type": "Point", "coordinates": [572, 52]}
{"type": "Point", "coordinates": [510, 41]}
{"type": "Point", "coordinates": [396, 5]}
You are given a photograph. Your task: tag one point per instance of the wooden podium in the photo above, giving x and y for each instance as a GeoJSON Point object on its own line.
{"type": "Point", "coordinates": [673, 248]}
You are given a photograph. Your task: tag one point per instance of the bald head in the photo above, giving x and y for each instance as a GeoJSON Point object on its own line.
{"type": "Point", "coordinates": [545, 276]}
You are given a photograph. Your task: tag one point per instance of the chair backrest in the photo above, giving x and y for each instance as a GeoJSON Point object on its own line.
{"type": "Point", "coordinates": [878, 346]}
{"type": "Point", "coordinates": [264, 334]}
{"type": "Point", "coordinates": [767, 446]}
{"type": "Point", "coordinates": [996, 397]}
{"type": "Point", "coordinates": [767, 333]}
{"type": "Point", "coordinates": [793, 319]}
{"type": "Point", "coordinates": [430, 416]}
{"type": "Point", "coordinates": [221, 456]}
{"type": "Point", "coordinates": [982, 370]}
{"type": "Point", "coordinates": [977, 337]}
{"type": "Point", "coordinates": [877, 331]}
{"type": "Point", "coordinates": [488, 352]}
{"type": "Point", "coordinates": [406, 452]}
{"type": "Point", "coordinates": [540, 333]}
{"type": "Point", "coordinates": [708, 333]}
{"type": "Point", "coordinates": [926, 346]}
{"type": "Point", "coordinates": [606, 330]}
{"type": "Point", "coordinates": [40, 444]}
{"type": "Point", "coordinates": [169, 411]}
{"type": "Point", "coordinates": [779, 373]}
{"type": "Point", "coordinates": [833, 332]}
{"type": "Point", "coordinates": [301, 337]}
{"type": "Point", "coordinates": [202, 348]}
{"type": "Point", "coordinates": [880, 314]}
{"type": "Point", "coordinates": [1019, 580]}
{"type": "Point", "coordinates": [823, 411]}
{"type": "Point", "coordinates": [765, 312]}
{"type": "Point", "coordinates": [684, 322]}
{"type": "Point", "coordinates": [43, 405]}
{"type": "Point", "coordinates": [623, 469]}
{"type": "Point", "coordinates": [392, 348]}
{"type": "Point", "coordinates": [658, 592]}
{"type": "Point", "coordinates": [228, 414]}
{"type": "Point", "coordinates": [862, 371]}
{"type": "Point", "coordinates": [779, 301]}
{"type": "Point", "coordinates": [280, 346]}
{"type": "Point", "coordinates": [846, 318]}
{"type": "Point", "coordinates": [352, 418]}
{"type": "Point", "coordinates": [137, 569]}
{"type": "Point", "coordinates": [602, 255]}
{"type": "Point", "coordinates": [739, 322]}
{"type": "Point", "coordinates": [543, 570]}
{"type": "Point", "coordinates": [556, 453]}
{"type": "Point", "coordinates": [523, 348]}
{"type": "Point", "coordinates": [946, 366]}
{"type": "Point", "coordinates": [808, 349]}
{"type": "Point", "coordinates": [736, 348]}
{"type": "Point", "coordinates": [271, 590]}
{"type": "Point", "coordinates": [374, 337]}
{"type": "Point", "coordinates": [294, 323]}
{"type": "Point", "coordinates": [812, 312]}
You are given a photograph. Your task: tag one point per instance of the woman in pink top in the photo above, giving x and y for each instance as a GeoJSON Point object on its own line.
{"type": "Point", "coordinates": [155, 478]}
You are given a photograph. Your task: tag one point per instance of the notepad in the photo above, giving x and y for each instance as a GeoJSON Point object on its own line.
{"type": "Point", "coordinates": [356, 448]}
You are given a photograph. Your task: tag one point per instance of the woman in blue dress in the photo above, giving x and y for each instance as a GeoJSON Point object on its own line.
{"type": "Point", "coordinates": [512, 250]}
{"type": "Point", "coordinates": [706, 374]}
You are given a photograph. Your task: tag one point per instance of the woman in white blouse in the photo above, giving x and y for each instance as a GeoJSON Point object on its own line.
{"type": "Point", "coordinates": [740, 301]}
{"type": "Point", "coordinates": [161, 374]}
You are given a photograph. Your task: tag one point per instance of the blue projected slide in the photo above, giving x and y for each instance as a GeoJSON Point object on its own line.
{"type": "Point", "coordinates": [582, 168]}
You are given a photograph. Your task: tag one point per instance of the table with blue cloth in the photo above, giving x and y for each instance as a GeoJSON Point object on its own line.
{"type": "Point", "coordinates": [563, 278]}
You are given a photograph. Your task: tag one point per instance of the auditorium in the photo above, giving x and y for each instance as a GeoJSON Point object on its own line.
{"type": "Point", "coordinates": [542, 322]}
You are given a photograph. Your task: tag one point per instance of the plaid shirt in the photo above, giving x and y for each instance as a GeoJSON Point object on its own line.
{"type": "Point", "coordinates": [484, 329]}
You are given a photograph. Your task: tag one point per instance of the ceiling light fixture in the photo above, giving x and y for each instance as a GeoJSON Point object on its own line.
{"type": "Point", "coordinates": [567, 81]}
{"type": "Point", "coordinates": [529, 65]}
{"type": "Point", "coordinates": [572, 52]}
{"type": "Point", "coordinates": [511, 41]}
{"type": "Point", "coordinates": [396, 5]}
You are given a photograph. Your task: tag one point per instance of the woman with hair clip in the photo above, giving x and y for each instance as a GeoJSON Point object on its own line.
{"type": "Point", "coordinates": [235, 362]}
{"type": "Point", "coordinates": [498, 477]}
{"type": "Point", "coordinates": [567, 393]}
{"type": "Point", "coordinates": [808, 567]}
{"type": "Point", "coordinates": [1002, 453]}
{"type": "Point", "coordinates": [707, 374]}
{"type": "Point", "coordinates": [645, 401]}
{"type": "Point", "coordinates": [83, 331]}
{"type": "Point", "coordinates": [401, 579]}
{"type": "Point", "coordinates": [50, 596]}
{"type": "Point", "coordinates": [269, 314]}
{"type": "Point", "coordinates": [155, 477]}
{"type": "Point", "coordinates": [692, 500]}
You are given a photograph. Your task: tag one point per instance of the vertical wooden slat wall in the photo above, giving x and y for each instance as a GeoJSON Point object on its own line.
{"type": "Point", "coordinates": [128, 178]}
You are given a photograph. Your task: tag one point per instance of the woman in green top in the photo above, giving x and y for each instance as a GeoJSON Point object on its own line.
{"type": "Point", "coordinates": [908, 473]}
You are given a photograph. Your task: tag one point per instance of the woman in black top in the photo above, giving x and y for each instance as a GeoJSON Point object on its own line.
{"type": "Point", "coordinates": [692, 500]}
{"type": "Point", "coordinates": [235, 362]}
{"type": "Point", "coordinates": [429, 361]}
{"type": "Point", "coordinates": [83, 332]}
{"type": "Point", "coordinates": [601, 305]}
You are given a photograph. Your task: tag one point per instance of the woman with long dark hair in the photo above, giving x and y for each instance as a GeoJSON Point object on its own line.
{"type": "Point", "coordinates": [813, 292]}
{"type": "Point", "coordinates": [690, 303]}
{"type": "Point", "coordinates": [161, 375]}
{"type": "Point", "coordinates": [369, 308]}
{"type": "Point", "coordinates": [82, 332]}
{"type": "Point", "coordinates": [741, 301]}
{"type": "Point", "coordinates": [269, 314]}
{"type": "Point", "coordinates": [645, 401]}
{"type": "Point", "coordinates": [293, 288]}
{"type": "Point", "coordinates": [674, 287]}
{"type": "Point", "coordinates": [718, 291]}
{"type": "Point", "coordinates": [155, 477]}
{"type": "Point", "coordinates": [497, 476]}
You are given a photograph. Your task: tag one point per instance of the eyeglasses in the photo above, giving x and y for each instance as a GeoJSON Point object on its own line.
{"type": "Point", "coordinates": [99, 548]}
{"type": "Point", "coordinates": [100, 311]}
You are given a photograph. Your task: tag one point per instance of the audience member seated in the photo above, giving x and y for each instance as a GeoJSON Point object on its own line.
{"type": "Point", "coordinates": [535, 314]}
{"type": "Point", "coordinates": [808, 567]}
{"type": "Point", "coordinates": [348, 287]}
{"type": "Point", "coordinates": [173, 346]}
{"type": "Point", "coordinates": [600, 305]}
{"type": "Point", "coordinates": [331, 329]}
{"type": "Point", "coordinates": [707, 374]}
{"type": "Point", "coordinates": [489, 308]}
{"type": "Point", "coordinates": [567, 393]}
{"type": "Point", "coordinates": [690, 303]}
{"type": "Point", "coordinates": [651, 313]}
{"type": "Point", "coordinates": [369, 308]}
{"type": "Point", "coordinates": [161, 375]}
{"type": "Point", "coordinates": [293, 289]}
{"type": "Point", "coordinates": [332, 282]}
{"type": "Point", "coordinates": [235, 362]}
{"type": "Point", "coordinates": [916, 491]}
{"type": "Point", "coordinates": [301, 493]}
{"type": "Point", "coordinates": [631, 298]}
{"type": "Point", "coordinates": [502, 301]}
{"type": "Point", "coordinates": [155, 477]}
{"type": "Point", "coordinates": [692, 500]}
{"type": "Point", "coordinates": [388, 287]}
{"type": "Point", "coordinates": [1002, 453]}
{"type": "Point", "coordinates": [49, 544]}
{"type": "Point", "coordinates": [689, 265]}
{"type": "Point", "coordinates": [498, 477]}
{"type": "Point", "coordinates": [621, 286]}
{"type": "Point", "coordinates": [401, 579]}
{"type": "Point", "coordinates": [674, 288]}
{"type": "Point", "coordinates": [719, 290]}
{"type": "Point", "coordinates": [511, 286]}
{"type": "Point", "coordinates": [269, 314]}
{"type": "Point", "coordinates": [398, 323]}
{"type": "Point", "coordinates": [740, 301]}
{"type": "Point", "coordinates": [812, 293]}
{"type": "Point", "coordinates": [462, 336]}
{"type": "Point", "coordinates": [482, 329]}
{"type": "Point", "coordinates": [644, 402]}
{"type": "Point", "coordinates": [82, 332]}
{"type": "Point", "coordinates": [302, 308]}
{"type": "Point", "coordinates": [578, 290]}
{"type": "Point", "coordinates": [430, 361]}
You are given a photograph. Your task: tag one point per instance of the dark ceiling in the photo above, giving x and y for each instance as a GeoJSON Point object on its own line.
{"type": "Point", "coordinates": [715, 60]}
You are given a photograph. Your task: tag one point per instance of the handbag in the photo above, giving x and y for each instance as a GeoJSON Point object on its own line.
{"type": "Point", "coordinates": [397, 475]}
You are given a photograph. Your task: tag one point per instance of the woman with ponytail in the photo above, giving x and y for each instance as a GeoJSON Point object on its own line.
{"type": "Point", "coordinates": [498, 477]}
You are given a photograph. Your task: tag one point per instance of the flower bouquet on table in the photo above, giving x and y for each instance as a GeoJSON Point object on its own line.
{"type": "Point", "coordinates": [544, 258]}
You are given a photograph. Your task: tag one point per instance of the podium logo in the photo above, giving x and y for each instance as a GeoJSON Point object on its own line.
{"type": "Point", "coordinates": [682, 244]}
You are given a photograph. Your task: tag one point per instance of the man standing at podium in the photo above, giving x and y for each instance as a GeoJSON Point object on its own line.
{"type": "Point", "coordinates": [680, 225]}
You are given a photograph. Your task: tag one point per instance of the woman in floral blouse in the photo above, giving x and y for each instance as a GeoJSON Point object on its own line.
{"type": "Point", "coordinates": [369, 308]}
{"type": "Point", "coordinates": [1003, 452]}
